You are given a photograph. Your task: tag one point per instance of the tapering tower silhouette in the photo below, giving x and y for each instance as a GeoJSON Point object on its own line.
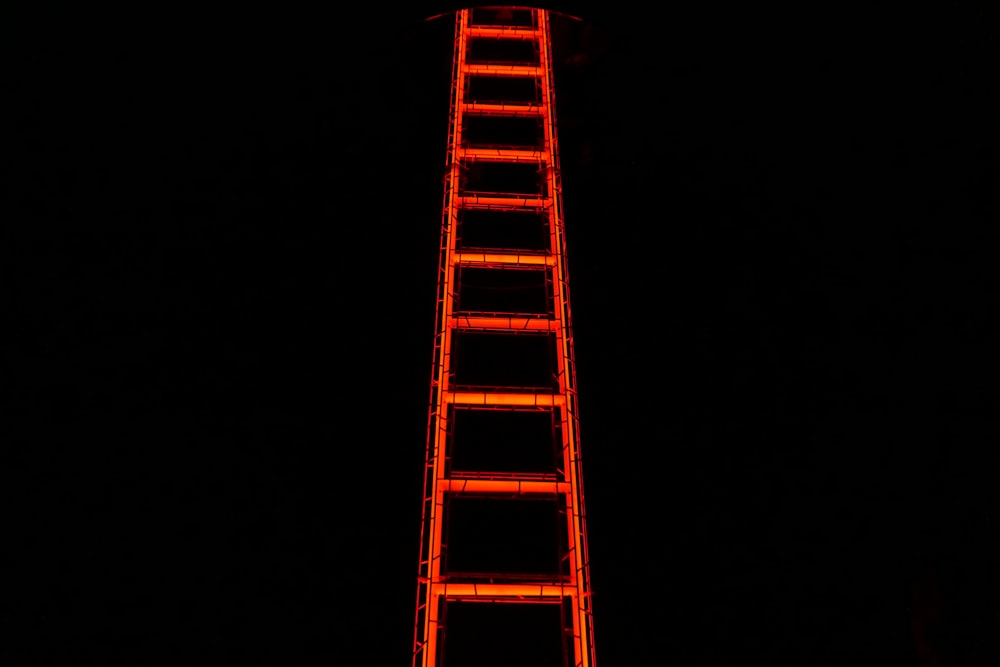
{"type": "Point", "coordinates": [503, 571]}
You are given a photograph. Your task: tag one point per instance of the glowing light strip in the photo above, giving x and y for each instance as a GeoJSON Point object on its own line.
{"type": "Point", "coordinates": [506, 323]}
{"type": "Point", "coordinates": [541, 400]}
{"type": "Point", "coordinates": [514, 155]}
{"type": "Point", "coordinates": [466, 257]}
{"type": "Point", "coordinates": [503, 486]}
{"type": "Point", "coordinates": [494, 69]}
{"type": "Point", "coordinates": [502, 32]}
{"type": "Point", "coordinates": [502, 109]}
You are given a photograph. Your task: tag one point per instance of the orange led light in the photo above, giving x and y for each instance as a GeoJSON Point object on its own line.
{"type": "Point", "coordinates": [501, 258]}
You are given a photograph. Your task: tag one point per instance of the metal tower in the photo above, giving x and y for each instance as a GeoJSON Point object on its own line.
{"type": "Point", "coordinates": [503, 566]}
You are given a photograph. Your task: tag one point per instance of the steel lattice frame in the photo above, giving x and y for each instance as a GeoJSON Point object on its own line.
{"type": "Point", "coordinates": [436, 585]}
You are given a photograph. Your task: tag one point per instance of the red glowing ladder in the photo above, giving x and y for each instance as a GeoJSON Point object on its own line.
{"type": "Point", "coordinates": [495, 82]}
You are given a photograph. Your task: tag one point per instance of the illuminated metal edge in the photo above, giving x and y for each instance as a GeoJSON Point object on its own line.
{"type": "Point", "coordinates": [509, 591]}
{"type": "Point", "coordinates": [513, 155]}
{"type": "Point", "coordinates": [494, 69]}
{"type": "Point", "coordinates": [502, 109]}
{"type": "Point", "coordinates": [469, 257]}
{"type": "Point", "coordinates": [500, 398]}
{"type": "Point", "coordinates": [501, 201]}
{"type": "Point", "coordinates": [504, 323]}
{"type": "Point", "coordinates": [503, 486]}
{"type": "Point", "coordinates": [503, 32]}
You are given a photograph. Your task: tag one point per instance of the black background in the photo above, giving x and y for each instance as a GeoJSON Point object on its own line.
{"type": "Point", "coordinates": [781, 230]}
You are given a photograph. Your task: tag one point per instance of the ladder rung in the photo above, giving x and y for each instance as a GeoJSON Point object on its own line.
{"type": "Point", "coordinates": [503, 486]}
{"type": "Point", "coordinates": [502, 32]}
{"type": "Point", "coordinates": [520, 155]}
{"type": "Point", "coordinates": [476, 200]}
{"type": "Point", "coordinates": [508, 591]}
{"type": "Point", "coordinates": [505, 323]}
{"type": "Point", "coordinates": [501, 258]}
{"type": "Point", "coordinates": [504, 399]}
{"type": "Point", "coordinates": [503, 109]}
{"type": "Point", "coordinates": [500, 69]}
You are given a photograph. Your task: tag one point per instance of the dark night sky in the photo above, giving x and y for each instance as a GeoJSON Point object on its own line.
{"type": "Point", "coordinates": [782, 234]}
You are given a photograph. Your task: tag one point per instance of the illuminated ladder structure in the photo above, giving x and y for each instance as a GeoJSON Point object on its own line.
{"type": "Point", "coordinates": [503, 564]}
